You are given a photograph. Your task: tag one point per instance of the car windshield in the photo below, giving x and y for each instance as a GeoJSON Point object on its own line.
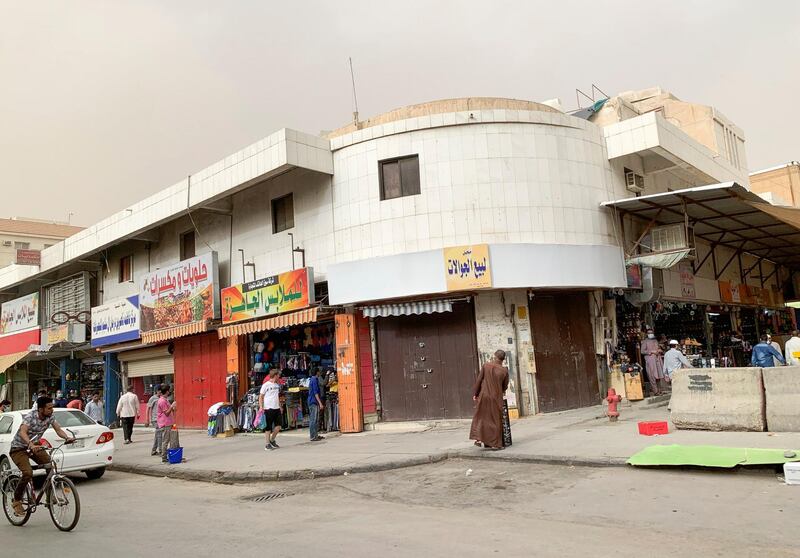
{"type": "Point", "coordinates": [69, 419]}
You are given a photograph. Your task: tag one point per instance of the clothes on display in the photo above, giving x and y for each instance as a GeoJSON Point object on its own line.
{"type": "Point", "coordinates": [221, 419]}
{"type": "Point", "coordinates": [296, 352]}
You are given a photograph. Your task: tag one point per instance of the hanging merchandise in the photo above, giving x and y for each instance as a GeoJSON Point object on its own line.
{"type": "Point", "coordinates": [221, 420]}
{"type": "Point", "coordinates": [295, 352]}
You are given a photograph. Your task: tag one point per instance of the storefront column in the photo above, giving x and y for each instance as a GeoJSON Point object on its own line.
{"type": "Point", "coordinates": [348, 374]}
{"type": "Point", "coordinates": [71, 367]}
{"type": "Point", "coordinates": [111, 387]}
{"type": "Point", "coordinates": [502, 322]}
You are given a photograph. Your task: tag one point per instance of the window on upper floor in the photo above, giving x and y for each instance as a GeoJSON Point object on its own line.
{"type": "Point", "coordinates": [399, 177]}
{"type": "Point", "coordinates": [126, 269]}
{"type": "Point", "coordinates": [188, 245]}
{"type": "Point", "coordinates": [282, 213]}
{"type": "Point", "coordinates": [46, 246]}
{"type": "Point", "coordinates": [22, 246]}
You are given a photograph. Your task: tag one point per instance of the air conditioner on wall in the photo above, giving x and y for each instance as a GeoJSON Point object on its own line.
{"type": "Point", "coordinates": [668, 238]}
{"type": "Point", "coordinates": [634, 182]}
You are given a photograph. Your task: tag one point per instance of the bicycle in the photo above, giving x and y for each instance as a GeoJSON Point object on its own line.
{"type": "Point", "coordinates": [62, 497]}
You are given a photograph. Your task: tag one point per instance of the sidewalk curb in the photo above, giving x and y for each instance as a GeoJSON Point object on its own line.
{"type": "Point", "coordinates": [229, 477]}
{"type": "Point", "coordinates": [576, 461]}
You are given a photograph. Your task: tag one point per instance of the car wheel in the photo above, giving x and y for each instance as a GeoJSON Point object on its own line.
{"type": "Point", "coordinates": [5, 467]}
{"type": "Point", "coordinates": [95, 474]}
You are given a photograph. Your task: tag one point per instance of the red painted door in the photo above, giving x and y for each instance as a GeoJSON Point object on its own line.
{"type": "Point", "coordinates": [368, 403]}
{"type": "Point", "coordinates": [200, 370]}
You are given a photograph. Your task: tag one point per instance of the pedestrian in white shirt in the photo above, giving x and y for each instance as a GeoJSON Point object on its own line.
{"type": "Point", "coordinates": [775, 346]}
{"type": "Point", "coordinates": [674, 360]}
{"type": "Point", "coordinates": [94, 408]}
{"type": "Point", "coordinates": [793, 349]}
{"type": "Point", "coordinates": [128, 412]}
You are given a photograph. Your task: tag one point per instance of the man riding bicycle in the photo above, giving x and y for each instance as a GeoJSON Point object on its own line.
{"type": "Point", "coordinates": [25, 445]}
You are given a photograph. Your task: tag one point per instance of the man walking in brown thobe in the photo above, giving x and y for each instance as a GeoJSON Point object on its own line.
{"type": "Point", "coordinates": [492, 382]}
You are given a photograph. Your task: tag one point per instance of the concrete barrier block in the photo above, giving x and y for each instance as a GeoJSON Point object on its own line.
{"type": "Point", "coordinates": [718, 399]}
{"type": "Point", "coordinates": [782, 388]}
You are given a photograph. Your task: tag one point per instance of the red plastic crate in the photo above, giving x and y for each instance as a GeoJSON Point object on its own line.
{"type": "Point", "coordinates": [653, 428]}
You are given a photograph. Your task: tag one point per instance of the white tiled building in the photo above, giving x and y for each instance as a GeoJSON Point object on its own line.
{"type": "Point", "coordinates": [374, 203]}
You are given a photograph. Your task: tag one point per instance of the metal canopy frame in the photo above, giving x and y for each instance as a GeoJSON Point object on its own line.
{"type": "Point", "coordinates": [727, 215]}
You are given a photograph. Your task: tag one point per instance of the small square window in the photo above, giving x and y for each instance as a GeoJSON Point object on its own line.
{"type": "Point", "coordinates": [22, 246]}
{"type": "Point", "coordinates": [188, 245]}
{"type": "Point", "coordinates": [126, 269]}
{"type": "Point", "coordinates": [399, 177]}
{"type": "Point", "coordinates": [282, 213]}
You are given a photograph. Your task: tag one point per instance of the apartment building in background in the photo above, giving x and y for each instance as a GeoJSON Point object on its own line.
{"type": "Point", "coordinates": [23, 239]}
{"type": "Point", "coordinates": [779, 185]}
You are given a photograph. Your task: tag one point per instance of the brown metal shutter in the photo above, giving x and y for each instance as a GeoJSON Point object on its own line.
{"type": "Point", "coordinates": [428, 364]}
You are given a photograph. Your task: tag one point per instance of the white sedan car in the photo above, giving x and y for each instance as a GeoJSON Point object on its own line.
{"type": "Point", "coordinates": [91, 453]}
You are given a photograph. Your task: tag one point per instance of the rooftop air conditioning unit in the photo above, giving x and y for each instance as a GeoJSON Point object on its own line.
{"type": "Point", "coordinates": [634, 182]}
{"type": "Point", "coordinates": [6, 243]}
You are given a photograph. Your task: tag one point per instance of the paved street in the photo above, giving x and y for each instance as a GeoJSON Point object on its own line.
{"type": "Point", "coordinates": [509, 509]}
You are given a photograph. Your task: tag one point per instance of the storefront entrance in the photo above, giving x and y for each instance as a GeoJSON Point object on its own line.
{"type": "Point", "coordinates": [566, 375]}
{"type": "Point", "coordinates": [428, 364]}
{"type": "Point", "coordinates": [200, 364]}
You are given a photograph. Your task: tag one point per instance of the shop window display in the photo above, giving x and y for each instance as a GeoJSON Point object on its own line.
{"type": "Point", "coordinates": [296, 352]}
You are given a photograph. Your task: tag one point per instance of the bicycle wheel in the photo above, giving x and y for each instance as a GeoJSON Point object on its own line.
{"type": "Point", "coordinates": [9, 486]}
{"type": "Point", "coordinates": [64, 503]}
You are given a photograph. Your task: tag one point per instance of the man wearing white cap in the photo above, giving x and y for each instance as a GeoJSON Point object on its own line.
{"type": "Point", "coordinates": [674, 360]}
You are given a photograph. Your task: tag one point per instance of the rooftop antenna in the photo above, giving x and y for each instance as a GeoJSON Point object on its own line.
{"type": "Point", "coordinates": [355, 99]}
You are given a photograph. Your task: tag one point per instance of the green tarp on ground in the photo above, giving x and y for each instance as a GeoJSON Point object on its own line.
{"type": "Point", "coordinates": [709, 456]}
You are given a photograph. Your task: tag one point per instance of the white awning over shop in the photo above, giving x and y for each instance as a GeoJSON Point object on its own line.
{"type": "Point", "coordinates": [659, 261]}
{"type": "Point", "coordinates": [408, 308]}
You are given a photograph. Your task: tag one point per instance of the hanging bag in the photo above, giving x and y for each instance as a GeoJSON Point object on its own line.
{"type": "Point", "coordinates": [260, 422]}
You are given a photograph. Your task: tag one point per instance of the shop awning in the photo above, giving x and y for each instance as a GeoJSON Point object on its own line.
{"type": "Point", "coordinates": [725, 214]}
{"type": "Point", "coordinates": [161, 335]}
{"type": "Point", "coordinates": [284, 320]}
{"type": "Point", "coordinates": [408, 308]}
{"type": "Point", "coordinates": [7, 361]}
{"type": "Point", "coordinates": [660, 261]}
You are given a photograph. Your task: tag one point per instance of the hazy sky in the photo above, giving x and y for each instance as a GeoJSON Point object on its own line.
{"type": "Point", "coordinates": [103, 103]}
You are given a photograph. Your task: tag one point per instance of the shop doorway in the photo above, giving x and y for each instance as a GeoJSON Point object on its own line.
{"type": "Point", "coordinates": [566, 374]}
{"type": "Point", "coordinates": [200, 371]}
{"type": "Point", "coordinates": [428, 364]}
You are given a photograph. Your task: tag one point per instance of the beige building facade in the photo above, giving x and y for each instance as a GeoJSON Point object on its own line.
{"type": "Point", "coordinates": [779, 185]}
{"type": "Point", "coordinates": [21, 239]}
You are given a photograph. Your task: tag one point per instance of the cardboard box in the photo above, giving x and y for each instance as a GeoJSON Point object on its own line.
{"type": "Point", "coordinates": [791, 472]}
{"type": "Point", "coordinates": [633, 387]}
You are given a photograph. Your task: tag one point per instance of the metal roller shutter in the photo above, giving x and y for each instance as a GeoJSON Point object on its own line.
{"type": "Point", "coordinates": [158, 366]}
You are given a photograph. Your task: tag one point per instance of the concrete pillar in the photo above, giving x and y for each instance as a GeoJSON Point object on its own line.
{"type": "Point", "coordinates": [502, 322]}
{"type": "Point", "coordinates": [111, 387]}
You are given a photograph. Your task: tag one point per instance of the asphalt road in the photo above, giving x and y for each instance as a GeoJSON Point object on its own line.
{"type": "Point", "coordinates": [507, 509]}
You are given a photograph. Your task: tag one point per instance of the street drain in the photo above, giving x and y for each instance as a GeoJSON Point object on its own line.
{"type": "Point", "coordinates": [269, 497]}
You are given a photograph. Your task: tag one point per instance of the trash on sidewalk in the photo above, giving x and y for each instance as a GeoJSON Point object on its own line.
{"type": "Point", "coordinates": [708, 456]}
{"type": "Point", "coordinates": [469, 472]}
{"type": "Point", "coordinates": [653, 428]}
{"type": "Point", "coordinates": [791, 473]}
